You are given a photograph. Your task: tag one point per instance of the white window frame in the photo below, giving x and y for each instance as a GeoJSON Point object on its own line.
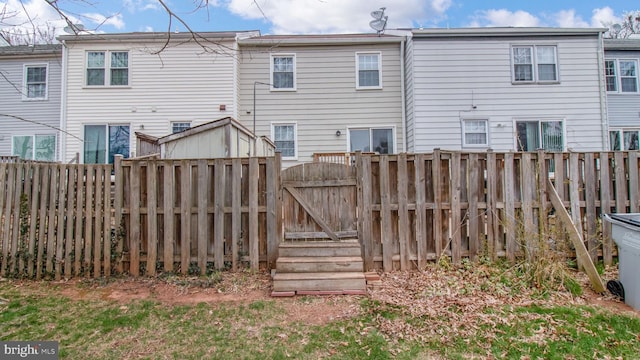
{"type": "Point", "coordinates": [562, 122]}
{"type": "Point", "coordinates": [180, 124]}
{"type": "Point", "coordinates": [362, 87]}
{"type": "Point", "coordinates": [621, 132]}
{"type": "Point", "coordinates": [534, 63]}
{"type": "Point", "coordinates": [295, 70]}
{"type": "Point", "coordinates": [33, 146]}
{"type": "Point", "coordinates": [107, 126]}
{"type": "Point", "coordinates": [371, 128]}
{"type": "Point", "coordinates": [618, 76]}
{"type": "Point", "coordinates": [25, 87]}
{"type": "Point", "coordinates": [295, 138]}
{"type": "Point", "coordinates": [464, 133]}
{"type": "Point", "coordinates": [107, 69]}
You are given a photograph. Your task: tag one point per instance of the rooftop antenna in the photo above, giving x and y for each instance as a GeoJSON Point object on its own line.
{"type": "Point", "coordinates": [379, 22]}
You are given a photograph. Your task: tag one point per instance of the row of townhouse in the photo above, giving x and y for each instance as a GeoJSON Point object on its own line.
{"type": "Point", "coordinates": [506, 89]}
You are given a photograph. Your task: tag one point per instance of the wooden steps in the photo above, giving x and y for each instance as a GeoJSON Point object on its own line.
{"type": "Point", "coordinates": [319, 268]}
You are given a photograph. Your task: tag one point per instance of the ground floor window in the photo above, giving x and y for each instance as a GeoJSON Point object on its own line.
{"type": "Point", "coordinates": [475, 133]}
{"type": "Point", "coordinates": [177, 127]}
{"type": "Point", "coordinates": [284, 137]}
{"type": "Point", "coordinates": [102, 142]}
{"type": "Point", "coordinates": [378, 140]}
{"type": "Point", "coordinates": [624, 139]}
{"type": "Point", "coordinates": [534, 135]}
{"type": "Point", "coordinates": [34, 147]}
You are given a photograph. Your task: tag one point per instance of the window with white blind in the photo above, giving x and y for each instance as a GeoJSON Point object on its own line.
{"type": "Point", "coordinates": [534, 135]}
{"type": "Point", "coordinates": [35, 82]}
{"type": "Point", "coordinates": [621, 75]}
{"type": "Point", "coordinates": [534, 64]}
{"type": "Point", "coordinates": [475, 133]}
{"type": "Point", "coordinates": [107, 68]}
{"type": "Point", "coordinates": [283, 72]}
{"type": "Point", "coordinates": [368, 70]}
{"type": "Point", "coordinates": [284, 137]}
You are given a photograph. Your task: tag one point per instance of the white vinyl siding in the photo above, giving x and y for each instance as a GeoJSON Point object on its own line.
{"type": "Point", "coordinates": [368, 73]}
{"type": "Point", "coordinates": [535, 63]}
{"type": "Point", "coordinates": [473, 78]}
{"type": "Point", "coordinates": [326, 99]}
{"type": "Point", "coordinates": [35, 82]}
{"type": "Point", "coordinates": [283, 72]}
{"type": "Point", "coordinates": [167, 89]}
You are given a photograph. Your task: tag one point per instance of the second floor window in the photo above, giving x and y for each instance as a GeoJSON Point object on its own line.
{"type": "Point", "coordinates": [368, 71]}
{"type": "Point", "coordinates": [35, 82]}
{"type": "Point", "coordinates": [117, 63]}
{"type": "Point", "coordinates": [534, 64]}
{"type": "Point", "coordinates": [177, 127]}
{"type": "Point", "coordinates": [283, 72]}
{"type": "Point", "coordinates": [622, 75]}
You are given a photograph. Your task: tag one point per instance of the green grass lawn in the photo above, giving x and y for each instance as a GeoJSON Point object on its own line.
{"type": "Point", "coordinates": [480, 314]}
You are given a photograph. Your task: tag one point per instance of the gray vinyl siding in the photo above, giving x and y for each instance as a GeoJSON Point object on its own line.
{"type": "Point", "coordinates": [326, 99]}
{"type": "Point", "coordinates": [181, 84]}
{"type": "Point", "coordinates": [624, 109]}
{"type": "Point", "coordinates": [409, 97]}
{"type": "Point", "coordinates": [41, 117]}
{"type": "Point", "coordinates": [452, 75]}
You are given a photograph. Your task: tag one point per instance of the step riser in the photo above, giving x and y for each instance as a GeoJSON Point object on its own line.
{"type": "Point", "coordinates": [319, 267]}
{"type": "Point", "coordinates": [305, 251]}
{"type": "Point", "coordinates": [319, 284]}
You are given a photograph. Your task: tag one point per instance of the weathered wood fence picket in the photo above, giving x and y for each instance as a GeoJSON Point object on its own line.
{"type": "Point", "coordinates": [191, 216]}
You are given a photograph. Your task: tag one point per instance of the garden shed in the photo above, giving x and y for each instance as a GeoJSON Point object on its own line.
{"type": "Point", "coordinates": [221, 138]}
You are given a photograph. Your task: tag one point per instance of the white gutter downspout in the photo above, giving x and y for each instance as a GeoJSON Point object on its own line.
{"type": "Point", "coordinates": [402, 95]}
{"type": "Point", "coordinates": [604, 120]}
{"type": "Point", "coordinates": [63, 104]}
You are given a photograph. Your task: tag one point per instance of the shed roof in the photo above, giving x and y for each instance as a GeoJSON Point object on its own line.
{"type": "Point", "coordinates": [206, 127]}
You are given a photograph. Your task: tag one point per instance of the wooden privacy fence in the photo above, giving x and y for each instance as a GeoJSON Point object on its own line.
{"type": "Point", "coordinates": [416, 208]}
{"type": "Point", "coordinates": [189, 216]}
{"type": "Point", "coordinates": [193, 214]}
{"type": "Point", "coordinates": [55, 220]}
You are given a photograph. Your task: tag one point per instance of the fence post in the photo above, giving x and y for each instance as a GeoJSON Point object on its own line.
{"type": "Point", "coordinates": [273, 209]}
{"type": "Point", "coordinates": [118, 203]}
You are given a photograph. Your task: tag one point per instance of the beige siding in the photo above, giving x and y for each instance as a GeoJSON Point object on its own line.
{"type": "Point", "coordinates": [325, 100]}
{"type": "Point", "coordinates": [183, 83]}
{"type": "Point", "coordinates": [453, 75]}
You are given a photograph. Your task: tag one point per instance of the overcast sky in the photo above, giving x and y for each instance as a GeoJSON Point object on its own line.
{"type": "Point", "coordinates": [316, 16]}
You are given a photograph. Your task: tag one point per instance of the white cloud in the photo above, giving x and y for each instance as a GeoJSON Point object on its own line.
{"type": "Point", "coordinates": [335, 16]}
{"type": "Point", "coordinates": [504, 17]}
{"type": "Point", "coordinates": [100, 20]}
{"type": "Point", "coordinates": [603, 17]}
{"type": "Point", "coordinates": [35, 13]}
{"type": "Point", "coordinates": [569, 19]}
{"type": "Point", "coordinates": [134, 6]}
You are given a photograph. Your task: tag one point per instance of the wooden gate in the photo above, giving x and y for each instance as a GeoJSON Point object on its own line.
{"type": "Point", "coordinates": [319, 201]}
